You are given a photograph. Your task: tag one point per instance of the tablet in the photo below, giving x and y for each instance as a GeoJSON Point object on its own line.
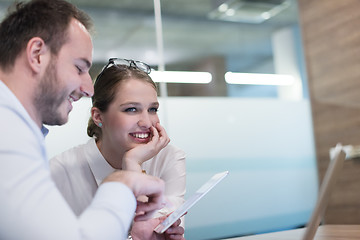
{"type": "Point", "coordinates": [202, 191]}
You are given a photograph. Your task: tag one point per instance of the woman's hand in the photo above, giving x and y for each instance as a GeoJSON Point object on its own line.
{"type": "Point", "coordinates": [133, 158]}
{"type": "Point", "coordinates": [144, 230]}
{"type": "Point", "coordinates": [175, 232]}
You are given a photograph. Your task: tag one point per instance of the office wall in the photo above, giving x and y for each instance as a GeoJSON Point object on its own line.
{"type": "Point", "coordinates": [331, 39]}
{"type": "Point", "coordinates": [266, 144]}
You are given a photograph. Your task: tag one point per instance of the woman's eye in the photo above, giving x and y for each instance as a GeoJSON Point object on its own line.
{"type": "Point", "coordinates": [154, 110]}
{"type": "Point", "coordinates": [130, 109]}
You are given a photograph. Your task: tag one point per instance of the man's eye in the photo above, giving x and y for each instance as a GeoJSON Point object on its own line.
{"type": "Point", "coordinates": [153, 110]}
{"type": "Point", "coordinates": [79, 69]}
{"type": "Point", "coordinates": [130, 109]}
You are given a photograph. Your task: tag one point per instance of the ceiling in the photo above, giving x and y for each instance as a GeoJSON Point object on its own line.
{"type": "Point", "coordinates": [126, 28]}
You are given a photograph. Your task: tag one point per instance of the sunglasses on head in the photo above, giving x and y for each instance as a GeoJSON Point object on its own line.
{"type": "Point", "coordinates": [127, 62]}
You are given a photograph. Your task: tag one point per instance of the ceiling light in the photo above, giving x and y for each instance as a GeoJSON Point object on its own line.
{"type": "Point", "coordinates": [230, 12]}
{"type": "Point", "coordinates": [248, 11]}
{"type": "Point", "coordinates": [266, 15]}
{"type": "Point", "coordinates": [259, 79]}
{"type": "Point", "coordinates": [223, 7]}
{"type": "Point", "coordinates": [181, 77]}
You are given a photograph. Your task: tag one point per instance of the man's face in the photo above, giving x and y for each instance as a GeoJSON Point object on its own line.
{"type": "Point", "coordinates": [66, 78]}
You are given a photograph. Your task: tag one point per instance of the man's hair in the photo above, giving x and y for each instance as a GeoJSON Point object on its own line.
{"type": "Point", "coordinates": [47, 19]}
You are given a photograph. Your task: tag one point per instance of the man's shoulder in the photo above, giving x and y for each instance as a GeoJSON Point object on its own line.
{"type": "Point", "coordinates": [14, 117]}
{"type": "Point", "coordinates": [17, 128]}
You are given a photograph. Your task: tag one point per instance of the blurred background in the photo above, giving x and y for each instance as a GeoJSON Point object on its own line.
{"type": "Point", "coordinates": [215, 36]}
{"type": "Point", "coordinates": [259, 130]}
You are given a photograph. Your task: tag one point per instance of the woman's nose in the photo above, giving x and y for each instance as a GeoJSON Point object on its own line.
{"type": "Point", "coordinates": [145, 121]}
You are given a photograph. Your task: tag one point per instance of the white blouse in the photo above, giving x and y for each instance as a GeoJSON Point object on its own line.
{"type": "Point", "coordinates": [79, 171]}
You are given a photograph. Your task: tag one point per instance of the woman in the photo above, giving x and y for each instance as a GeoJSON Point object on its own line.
{"type": "Point", "coordinates": [126, 134]}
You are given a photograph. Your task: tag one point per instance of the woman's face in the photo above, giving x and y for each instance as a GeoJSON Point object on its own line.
{"type": "Point", "coordinates": [129, 117]}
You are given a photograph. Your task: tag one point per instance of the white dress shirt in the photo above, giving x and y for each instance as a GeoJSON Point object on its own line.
{"type": "Point", "coordinates": [31, 206]}
{"type": "Point", "coordinates": [78, 172]}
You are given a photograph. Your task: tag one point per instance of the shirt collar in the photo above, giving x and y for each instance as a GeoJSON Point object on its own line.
{"type": "Point", "coordinates": [9, 97]}
{"type": "Point", "coordinates": [98, 165]}
{"type": "Point", "coordinates": [44, 130]}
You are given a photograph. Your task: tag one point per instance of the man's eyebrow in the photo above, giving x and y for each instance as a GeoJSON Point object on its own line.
{"type": "Point", "coordinates": [87, 62]}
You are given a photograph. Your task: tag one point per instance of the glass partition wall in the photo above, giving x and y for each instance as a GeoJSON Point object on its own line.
{"type": "Point", "coordinates": [258, 126]}
{"type": "Point", "coordinates": [252, 118]}
{"type": "Point", "coordinates": [211, 36]}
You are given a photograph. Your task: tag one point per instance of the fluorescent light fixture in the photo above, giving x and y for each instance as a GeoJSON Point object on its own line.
{"type": "Point", "coordinates": [259, 79]}
{"type": "Point", "coordinates": [223, 7]}
{"type": "Point", "coordinates": [181, 77]}
{"type": "Point", "coordinates": [248, 11]}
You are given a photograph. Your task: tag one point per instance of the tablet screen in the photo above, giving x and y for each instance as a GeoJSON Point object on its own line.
{"type": "Point", "coordinates": [202, 191]}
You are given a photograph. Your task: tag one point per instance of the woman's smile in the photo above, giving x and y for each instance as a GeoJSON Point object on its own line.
{"type": "Point", "coordinates": [142, 137]}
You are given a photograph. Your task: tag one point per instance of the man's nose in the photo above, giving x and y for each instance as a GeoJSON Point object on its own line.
{"type": "Point", "coordinates": [87, 87]}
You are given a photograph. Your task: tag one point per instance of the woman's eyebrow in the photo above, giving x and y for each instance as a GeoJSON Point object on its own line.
{"type": "Point", "coordinates": [130, 103]}
{"type": "Point", "coordinates": [155, 104]}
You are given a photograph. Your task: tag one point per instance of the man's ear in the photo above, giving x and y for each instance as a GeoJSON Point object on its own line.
{"type": "Point", "coordinates": [37, 54]}
{"type": "Point", "coordinates": [96, 116]}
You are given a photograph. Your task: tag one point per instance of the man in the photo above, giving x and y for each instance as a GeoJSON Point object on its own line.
{"type": "Point", "coordinates": [45, 56]}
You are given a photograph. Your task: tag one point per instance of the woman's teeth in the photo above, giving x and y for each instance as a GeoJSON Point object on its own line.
{"type": "Point", "coordinates": [140, 135]}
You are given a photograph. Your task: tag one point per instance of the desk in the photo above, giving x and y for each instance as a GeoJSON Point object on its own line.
{"type": "Point", "coordinates": [324, 232]}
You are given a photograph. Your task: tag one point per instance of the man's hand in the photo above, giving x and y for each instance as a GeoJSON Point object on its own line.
{"type": "Point", "coordinates": [142, 185]}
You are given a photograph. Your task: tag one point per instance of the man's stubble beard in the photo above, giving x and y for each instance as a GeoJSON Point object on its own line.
{"type": "Point", "coordinates": [49, 97]}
